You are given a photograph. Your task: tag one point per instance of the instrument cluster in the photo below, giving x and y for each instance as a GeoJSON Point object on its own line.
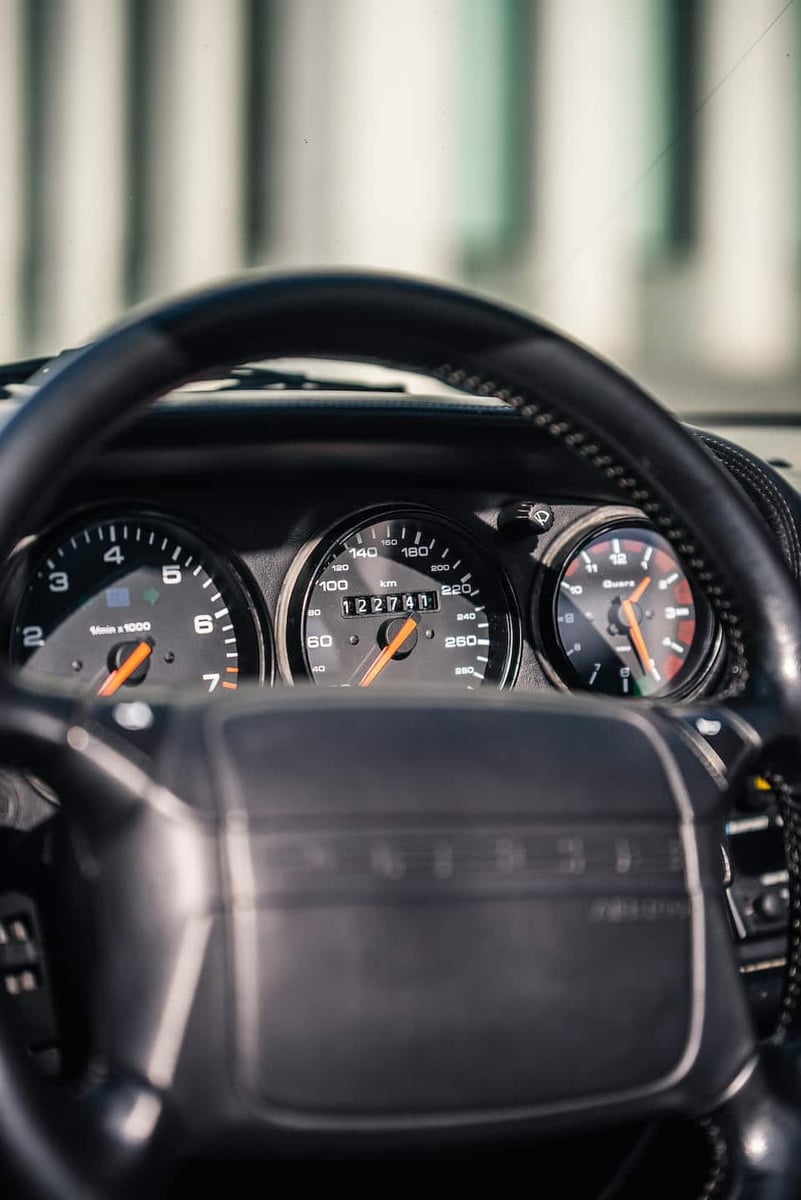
{"type": "Point", "coordinates": [123, 601]}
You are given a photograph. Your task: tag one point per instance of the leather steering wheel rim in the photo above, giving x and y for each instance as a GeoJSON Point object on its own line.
{"type": "Point", "coordinates": [471, 344]}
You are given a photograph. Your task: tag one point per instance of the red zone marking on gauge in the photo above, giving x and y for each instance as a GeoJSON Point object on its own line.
{"type": "Point", "coordinates": [680, 592]}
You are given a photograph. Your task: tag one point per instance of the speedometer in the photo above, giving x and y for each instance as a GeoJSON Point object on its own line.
{"type": "Point", "coordinates": [122, 603]}
{"type": "Point", "coordinates": [399, 596]}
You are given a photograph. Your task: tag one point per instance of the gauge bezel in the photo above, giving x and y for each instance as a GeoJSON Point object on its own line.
{"type": "Point", "coordinates": [26, 556]}
{"type": "Point", "coordinates": [291, 656]}
{"type": "Point", "coordinates": [708, 658]}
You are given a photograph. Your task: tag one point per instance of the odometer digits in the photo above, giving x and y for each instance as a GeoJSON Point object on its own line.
{"type": "Point", "coordinates": [399, 597]}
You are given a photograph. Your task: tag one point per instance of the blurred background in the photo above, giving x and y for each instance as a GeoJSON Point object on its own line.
{"type": "Point", "coordinates": [626, 169]}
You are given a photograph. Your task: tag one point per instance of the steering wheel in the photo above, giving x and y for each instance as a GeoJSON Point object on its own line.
{"type": "Point", "coordinates": [254, 973]}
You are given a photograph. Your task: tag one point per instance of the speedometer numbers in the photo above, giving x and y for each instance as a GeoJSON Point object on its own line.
{"type": "Point", "coordinates": [626, 619]}
{"type": "Point", "coordinates": [400, 597]}
{"type": "Point", "coordinates": [122, 604]}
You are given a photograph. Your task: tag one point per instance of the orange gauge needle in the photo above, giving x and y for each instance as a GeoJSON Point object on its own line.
{"type": "Point", "coordinates": [636, 636]}
{"type": "Point", "coordinates": [126, 669]}
{"type": "Point", "coordinates": [634, 625]}
{"type": "Point", "coordinates": [640, 590]}
{"type": "Point", "coordinates": [406, 630]}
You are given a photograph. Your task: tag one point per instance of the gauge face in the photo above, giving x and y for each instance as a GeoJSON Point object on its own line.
{"type": "Point", "coordinates": [401, 597]}
{"type": "Point", "coordinates": [127, 603]}
{"type": "Point", "coordinates": [627, 620]}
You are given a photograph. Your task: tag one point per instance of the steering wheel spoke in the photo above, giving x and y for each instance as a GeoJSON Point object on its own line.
{"type": "Point", "coordinates": [722, 736]}
{"type": "Point", "coordinates": [137, 867]}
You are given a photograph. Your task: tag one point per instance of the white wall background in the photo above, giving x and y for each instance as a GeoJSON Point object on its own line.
{"type": "Point", "coordinates": [521, 146]}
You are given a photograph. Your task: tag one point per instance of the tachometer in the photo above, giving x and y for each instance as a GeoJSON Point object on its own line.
{"type": "Point", "coordinates": [625, 618]}
{"type": "Point", "coordinates": [127, 602]}
{"type": "Point", "coordinates": [398, 596]}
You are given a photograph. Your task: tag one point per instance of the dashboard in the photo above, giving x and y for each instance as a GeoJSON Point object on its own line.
{"type": "Point", "coordinates": [342, 544]}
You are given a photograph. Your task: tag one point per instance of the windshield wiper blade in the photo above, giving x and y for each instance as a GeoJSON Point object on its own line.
{"type": "Point", "coordinates": [257, 379]}
{"type": "Point", "coordinates": [239, 379]}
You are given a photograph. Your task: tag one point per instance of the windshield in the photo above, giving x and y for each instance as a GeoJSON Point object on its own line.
{"type": "Point", "coordinates": [625, 169]}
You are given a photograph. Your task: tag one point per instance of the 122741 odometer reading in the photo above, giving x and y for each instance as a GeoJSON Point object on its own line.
{"type": "Point", "coordinates": [399, 597]}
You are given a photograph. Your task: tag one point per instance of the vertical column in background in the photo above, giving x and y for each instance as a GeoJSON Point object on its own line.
{"type": "Point", "coordinates": [300, 157]}
{"type": "Point", "coordinates": [192, 226]}
{"type": "Point", "coordinates": [497, 116]}
{"type": "Point", "coordinates": [82, 171]}
{"type": "Point", "coordinates": [394, 134]}
{"type": "Point", "coordinates": [590, 153]}
{"type": "Point", "coordinates": [748, 309]}
{"type": "Point", "coordinates": [11, 193]}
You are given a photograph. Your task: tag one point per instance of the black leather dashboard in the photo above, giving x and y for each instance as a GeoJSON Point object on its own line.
{"type": "Point", "coordinates": [264, 476]}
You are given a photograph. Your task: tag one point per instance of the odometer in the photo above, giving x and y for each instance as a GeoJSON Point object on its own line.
{"type": "Point", "coordinates": [626, 618]}
{"type": "Point", "coordinates": [125, 603]}
{"type": "Point", "coordinates": [398, 597]}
